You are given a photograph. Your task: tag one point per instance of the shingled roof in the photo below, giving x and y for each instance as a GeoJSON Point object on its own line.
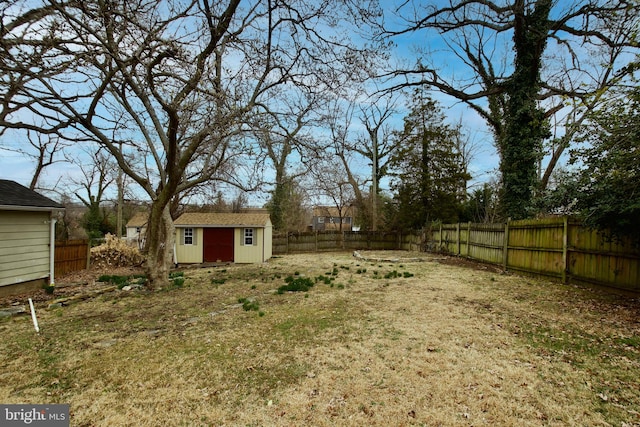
{"type": "Point", "coordinates": [196, 219]}
{"type": "Point", "coordinates": [139, 219]}
{"type": "Point", "coordinates": [14, 196]}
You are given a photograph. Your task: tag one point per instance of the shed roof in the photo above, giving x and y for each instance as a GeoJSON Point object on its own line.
{"type": "Point", "coordinates": [196, 219]}
{"type": "Point", "coordinates": [14, 196]}
{"type": "Point", "coordinates": [139, 219]}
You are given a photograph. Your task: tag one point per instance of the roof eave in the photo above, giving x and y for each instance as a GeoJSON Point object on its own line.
{"type": "Point", "coordinates": [30, 208]}
{"type": "Point", "coordinates": [219, 225]}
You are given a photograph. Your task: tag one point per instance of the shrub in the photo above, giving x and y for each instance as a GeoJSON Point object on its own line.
{"type": "Point", "coordinates": [392, 275]}
{"type": "Point", "coordinates": [177, 282]}
{"type": "Point", "coordinates": [249, 305]}
{"type": "Point", "coordinates": [116, 280]}
{"type": "Point", "coordinates": [300, 284]}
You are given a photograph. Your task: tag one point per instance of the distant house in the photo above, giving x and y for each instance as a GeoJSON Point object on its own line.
{"type": "Point", "coordinates": [27, 238]}
{"type": "Point", "coordinates": [327, 218]}
{"type": "Point", "coordinates": [223, 237]}
{"type": "Point", "coordinates": [137, 227]}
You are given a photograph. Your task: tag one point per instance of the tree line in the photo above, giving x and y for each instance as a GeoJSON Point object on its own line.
{"type": "Point", "coordinates": [321, 100]}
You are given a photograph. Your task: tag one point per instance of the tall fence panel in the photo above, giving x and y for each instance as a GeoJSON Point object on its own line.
{"type": "Point", "coordinates": [413, 242]}
{"type": "Point", "coordinates": [329, 241]}
{"type": "Point", "coordinates": [553, 247]}
{"type": "Point", "coordinates": [70, 256]}
{"type": "Point", "coordinates": [486, 242]}
{"type": "Point", "coordinates": [593, 257]}
{"type": "Point", "coordinates": [536, 246]}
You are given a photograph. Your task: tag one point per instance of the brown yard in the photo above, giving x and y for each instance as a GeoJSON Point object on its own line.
{"type": "Point", "coordinates": [411, 342]}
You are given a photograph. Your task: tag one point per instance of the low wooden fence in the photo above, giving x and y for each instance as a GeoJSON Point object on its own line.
{"type": "Point", "coordinates": [319, 241]}
{"type": "Point", "coordinates": [554, 247]}
{"type": "Point", "coordinates": [70, 256]}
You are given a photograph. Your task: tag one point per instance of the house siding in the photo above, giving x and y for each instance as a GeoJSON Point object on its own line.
{"type": "Point", "coordinates": [24, 246]}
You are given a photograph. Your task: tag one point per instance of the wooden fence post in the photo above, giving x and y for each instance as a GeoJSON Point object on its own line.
{"type": "Point", "coordinates": [458, 238]}
{"type": "Point", "coordinates": [88, 254]}
{"type": "Point", "coordinates": [505, 255]}
{"type": "Point", "coordinates": [469, 238]}
{"type": "Point", "coordinates": [565, 249]}
{"type": "Point", "coordinates": [440, 247]}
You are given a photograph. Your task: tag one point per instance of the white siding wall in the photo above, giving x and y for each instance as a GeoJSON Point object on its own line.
{"type": "Point", "coordinates": [132, 233]}
{"type": "Point", "coordinates": [24, 246]}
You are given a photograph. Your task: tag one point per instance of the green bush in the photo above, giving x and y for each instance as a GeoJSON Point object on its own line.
{"type": "Point", "coordinates": [300, 284]}
{"type": "Point", "coordinates": [177, 282]}
{"type": "Point", "coordinates": [116, 280]}
{"type": "Point", "coordinates": [249, 305]}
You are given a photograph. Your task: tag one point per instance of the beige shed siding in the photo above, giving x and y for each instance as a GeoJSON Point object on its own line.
{"type": "Point", "coordinates": [247, 254]}
{"type": "Point", "coordinates": [268, 241]}
{"type": "Point", "coordinates": [257, 253]}
{"type": "Point", "coordinates": [24, 246]}
{"type": "Point", "coordinates": [189, 254]}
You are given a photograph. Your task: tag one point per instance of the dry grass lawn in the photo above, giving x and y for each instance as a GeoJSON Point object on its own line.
{"type": "Point", "coordinates": [431, 344]}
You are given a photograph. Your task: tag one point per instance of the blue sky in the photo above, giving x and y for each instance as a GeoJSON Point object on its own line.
{"type": "Point", "coordinates": [16, 167]}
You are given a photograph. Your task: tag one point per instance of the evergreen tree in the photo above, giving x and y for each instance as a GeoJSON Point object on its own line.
{"type": "Point", "coordinates": [429, 173]}
{"type": "Point", "coordinates": [608, 184]}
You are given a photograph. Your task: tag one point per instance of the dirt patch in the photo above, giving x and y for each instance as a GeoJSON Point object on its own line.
{"type": "Point", "coordinates": [78, 282]}
{"type": "Point", "coordinates": [469, 263]}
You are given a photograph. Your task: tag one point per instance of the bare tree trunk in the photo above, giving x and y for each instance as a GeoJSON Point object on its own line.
{"type": "Point", "coordinates": [159, 246]}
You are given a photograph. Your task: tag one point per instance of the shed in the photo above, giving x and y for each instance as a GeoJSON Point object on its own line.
{"type": "Point", "coordinates": [27, 238]}
{"type": "Point", "coordinates": [223, 237]}
{"type": "Point", "coordinates": [137, 228]}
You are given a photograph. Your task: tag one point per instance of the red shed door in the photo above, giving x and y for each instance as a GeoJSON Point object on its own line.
{"type": "Point", "coordinates": [218, 244]}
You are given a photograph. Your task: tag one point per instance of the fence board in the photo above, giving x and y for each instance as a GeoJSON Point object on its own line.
{"type": "Point", "coordinates": [592, 257]}
{"type": "Point", "coordinates": [486, 242]}
{"type": "Point", "coordinates": [555, 247]}
{"type": "Point", "coordinates": [536, 246]}
{"type": "Point", "coordinates": [70, 256]}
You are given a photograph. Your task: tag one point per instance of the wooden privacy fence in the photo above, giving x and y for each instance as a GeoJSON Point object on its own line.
{"type": "Point", "coordinates": [71, 255]}
{"type": "Point", "coordinates": [555, 247]}
{"type": "Point", "coordinates": [318, 241]}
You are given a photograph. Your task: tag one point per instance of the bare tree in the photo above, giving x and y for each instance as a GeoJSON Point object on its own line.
{"type": "Point", "coordinates": [379, 145]}
{"type": "Point", "coordinates": [346, 163]}
{"type": "Point", "coordinates": [44, 150]}
{"type": "Point", "coordinates": [97, 175]}
{"type": "Point", "coordinates": [283, 131]}
{"type": "Point", "coordinates": [330, 182]}
{"type": "Point", "coordinates": [172, 81]}
{"type": "Point", "coordinates": [519, 63]}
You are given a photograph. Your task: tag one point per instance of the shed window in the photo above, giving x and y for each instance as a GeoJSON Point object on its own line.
{"type": "Point", "coordinates": [249, 237]}
{"type": "Point", "coordinates": [188, 236]}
